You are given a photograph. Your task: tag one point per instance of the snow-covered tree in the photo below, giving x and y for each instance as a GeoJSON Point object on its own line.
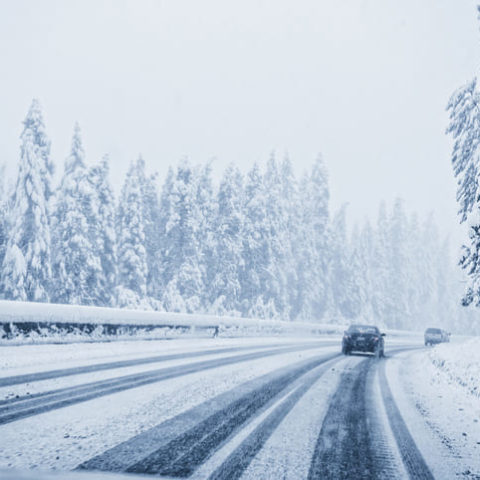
{"type": "Point", "coordinates": [130, 227]}
{"type": "Point", "coordinates": [166, 213]}
{"type": "Point", "coordinates": [207, 207]}
{"type": "Point", "coordinates": [101, 221]}
{"type": "Point", "coordinates": [291, 208]}
{"type": "Point", "coordinates": [398, 266]}
{"type": "Point", "coordinates": [181, 262]}
{"type": "Point", "coordinates": [225, 290]}
{"type": "Point", "coordinates": [151, 216]}
{"type": "Point", "coordinates": [342, 278]}
{"type": "Point", "coordinates": [277, 211]}
{"type": "Point", "coordinates": [256, 250]}
{"type": "Point", "coordinates": [465, 129]}
{"type": "Point", "coordinates": [312, 244]}
{"type": "Point", "coordinates": [76, 263]}
{"type": "Point", "coordinates": [364, 255]}
{"type": "Point", "coordinates": [26, 270]}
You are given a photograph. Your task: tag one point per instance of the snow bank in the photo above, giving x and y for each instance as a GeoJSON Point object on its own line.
{"type": "Point", "coordinates": [36, 322]}
{"type": "Point", "coordinates": [460, 362]}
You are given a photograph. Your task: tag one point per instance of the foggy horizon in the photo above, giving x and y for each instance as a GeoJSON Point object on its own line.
{"type": "Point", "coordinates": [365, 84]}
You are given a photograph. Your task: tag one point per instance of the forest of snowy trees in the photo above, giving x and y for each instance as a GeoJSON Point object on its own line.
{"type": "Point", "coordinates": [261, 244]}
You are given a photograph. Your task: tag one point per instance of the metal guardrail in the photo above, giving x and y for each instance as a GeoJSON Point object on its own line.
{"type": "Point", "coordinates": [40, 320]}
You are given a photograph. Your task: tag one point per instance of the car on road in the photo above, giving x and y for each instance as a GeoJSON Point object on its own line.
{"type": "Point", "coordinates": [363, 338]}
{"type": "Point", "coordinates": [436, 335]}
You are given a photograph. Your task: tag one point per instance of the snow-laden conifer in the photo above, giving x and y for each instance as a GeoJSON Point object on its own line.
{"type": "Point", "coordinates": [130, 226]}
{"type": "Point", "coordinates": [76, 261]}
{"type": "Point", "coordinates": [344, 292]}
{"type": "Point", "coordinates": [225, 289]}
{"type": "Point", "coordinates": [26, 270]}
{"type": "Point", "coordinates": [207, 207]}
{"type": "Point", "coordinates": [256, 249]}
{"type": "Point", "coordinates": [101, 221]}
{"type": "Point", "coordinates": [464, 108]}
{"type": "Point", "coordinates": [181, 262]}
{"type": "Point", "coordinates": [313, 245]}
{"type": "Point", "coordinates": [151, 216]}
{"type": "Point", "coordinates": [278, 238]}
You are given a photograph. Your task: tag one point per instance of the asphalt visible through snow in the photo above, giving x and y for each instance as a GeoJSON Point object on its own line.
{"type": "Point", "coordinates": [353, 427]}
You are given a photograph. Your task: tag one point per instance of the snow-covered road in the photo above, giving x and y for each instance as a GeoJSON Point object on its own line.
{"type": "Point", "coordinates": [279, 408]}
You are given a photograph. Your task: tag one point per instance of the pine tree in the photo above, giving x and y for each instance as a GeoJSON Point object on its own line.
{"type": "Point", "coordinates": [398, 266]}
{"type": "Point", "coordinates": [465, 129]}
{"type": "Point", "coordinates": [290, 199]}
{"type": "Point", "coordinates": [256, 250]}
{"type": "Point", "coordinates": [363, 254]}
{"type": "Point", "coordinates": [151, 215]}
{"type": "Point", "coordinates": [26, 271]}
{"type": "Point", "coordinates": [345, 292]}
{"type": "Point", "coordinates": [100, 205]}
{"type": "Point", "coordinates": [226, 288]}
{"type": "Point", "coordinates": [382, 301]}
{"type": "Point", "coordinates": [76, 263]}
{"type": "Point", "coordinates": [181, 262]}
{"type": "Point", "coordinates": [166, 214]}
{"type": "Point", "coordinates": [313, 245]}
{"type": "Point", "coordinates": [132, 254]}
{"type": "Point", "coordinates": [278, 239]}
{"type": "Point", "coordinates": [207, 207]}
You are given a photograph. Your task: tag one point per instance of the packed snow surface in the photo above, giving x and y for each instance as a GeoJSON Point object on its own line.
{"type": "Point", "coordinates": [437, 390]}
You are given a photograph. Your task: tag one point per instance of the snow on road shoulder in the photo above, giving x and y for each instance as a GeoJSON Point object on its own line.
{"type": "Point", "coordinates": [432, 388]}
{"type": "Point", "coordinates": [458, 364]}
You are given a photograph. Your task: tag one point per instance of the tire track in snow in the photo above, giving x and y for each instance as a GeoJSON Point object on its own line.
{"type": "Point", "coordinates": [65, 372]}
{"type": "Point", "coordinates": [183, 443]}
{"type": "Point", "coordinates": [26, 406]}
{"type": "Point", "coordinates": [352, 442]}
{"type": "Point", "coordinates": [343, 448]}
{"type": "Point", "coordinates": [411, 456]}
{"type": "Point", "coordinates": [239, 460]}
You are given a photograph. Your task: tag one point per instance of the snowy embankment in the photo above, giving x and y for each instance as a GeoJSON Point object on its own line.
{"type": "Point", "coordinates": [437, 392]}
{"type": "Point", "coordinates": [460, 363]}
{"type": "Point", "coordinates": [25, 322]}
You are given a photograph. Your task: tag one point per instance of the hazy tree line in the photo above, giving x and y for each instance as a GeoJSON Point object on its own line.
{"type": "Point", "coordinates": [260, 244]}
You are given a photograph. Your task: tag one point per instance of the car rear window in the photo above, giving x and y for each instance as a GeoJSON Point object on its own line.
{"type": "Point", "coordinates": [363, 329]}
{"type": "Point", "coordinates": [433, 330]}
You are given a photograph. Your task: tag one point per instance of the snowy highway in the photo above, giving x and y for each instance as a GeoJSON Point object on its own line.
{"type": "Point", "coordinates": [265, 408]}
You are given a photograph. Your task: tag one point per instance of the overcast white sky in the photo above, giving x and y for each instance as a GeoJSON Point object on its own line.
{"type": "Point", "coordinates": [365, 82]}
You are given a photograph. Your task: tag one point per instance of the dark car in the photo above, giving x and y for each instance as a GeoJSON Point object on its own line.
{"type": "Point", "coordinates": [436, 335]}
{"type": "Point", "coordinates": [363, 338]}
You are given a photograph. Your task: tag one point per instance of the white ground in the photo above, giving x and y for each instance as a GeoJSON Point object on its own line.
{"type": "Point", "coordinates": [74, 434]}
{"type": "Point", "coordinates": [435, 391]}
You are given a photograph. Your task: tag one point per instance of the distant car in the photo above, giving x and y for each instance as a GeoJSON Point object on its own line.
{"type": "Point", "coordinates": [363, 338]}
{"type": "Point", "coordinates": [436, 335]}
